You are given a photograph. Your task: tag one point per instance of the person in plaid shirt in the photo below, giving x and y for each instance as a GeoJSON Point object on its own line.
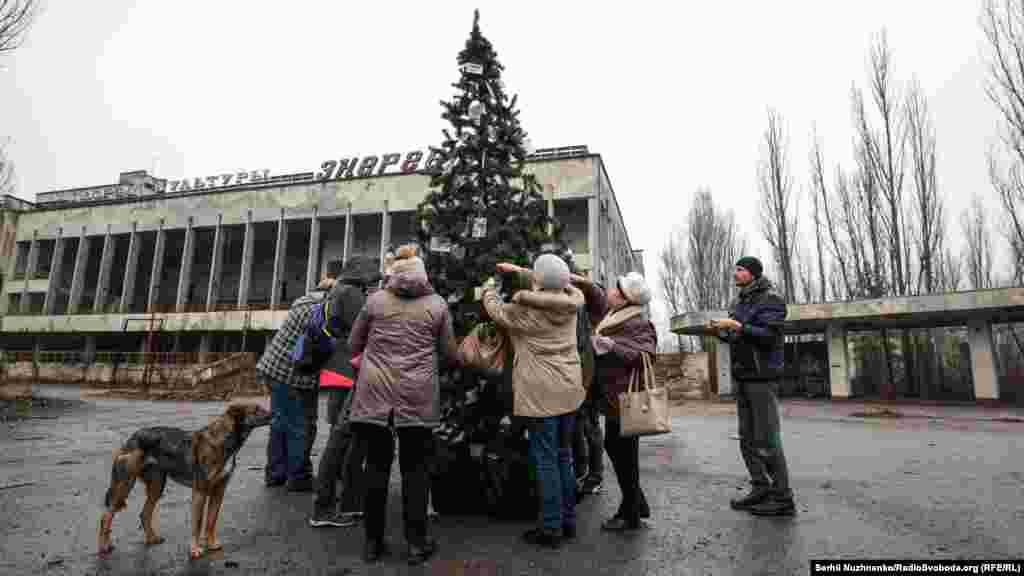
{"type": "Point", "coordinates": [293, 396]}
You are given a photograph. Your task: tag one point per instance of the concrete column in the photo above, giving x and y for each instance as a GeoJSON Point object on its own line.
{"type": "Point", "coordinates": [50, 303]}
{"type": "Point", "coordinates": [130, 269]}
{"type": "Point", "coordinates": [185, 272]}
{"type": "Point", "coordinates": [158, 265]}
{"type": "Point", "coordinates": [385, 234]}
{"type": "Point", "coordinates": [106, 265]}
{"type": "Point", "coordinates": [983, 364]}
{"type": "Point", "coordinates": [89, 352]}
{"type": "Point", "coordinates": [551, 214]}
{"type": "Point", "coordinates": [347, 243]}
{"type": "Point", "coordinates": [78, 275]}
{"type": "Point", "coordinates": [314, 252]}
{"type": "Point", "coordinates": [245, 281]}
{"type": "Point", "coordinates": [838, 361]}
{"type": "Point", "coordinates": [593, 238]}
{"type": "Point", "coordinates": [280, 249]}
{"type": "Point", "coordinates": [215, 266]}
{"type": "Point", "coordinates": [723, 362]}
{"type": "Point", "coordinates": [204, 348]}
{"type": "Point", "coordinates": [30, 270]}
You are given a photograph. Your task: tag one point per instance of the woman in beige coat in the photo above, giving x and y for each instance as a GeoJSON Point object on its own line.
{"type": "Point", "coordinates": [547, 385]}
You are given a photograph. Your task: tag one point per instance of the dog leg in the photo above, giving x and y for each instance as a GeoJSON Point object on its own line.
{"type": "Point", "coordinates": [212, 515]}
{"type": "Point", "coordinates": [199, 498]}
{"type": "Point", "coordinates": [124, 469]}
{"type": "Point", "coordinates": [149, 516]}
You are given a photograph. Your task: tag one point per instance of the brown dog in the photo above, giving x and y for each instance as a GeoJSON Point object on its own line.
{"type": "Point", "coordinates": [203, 460]}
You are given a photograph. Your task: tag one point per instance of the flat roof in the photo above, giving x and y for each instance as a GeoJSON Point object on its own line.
{"type": "Point", "coordinates": [997, 305]}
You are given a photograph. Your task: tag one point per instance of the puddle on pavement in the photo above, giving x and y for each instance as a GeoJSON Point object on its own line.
{"type": "Point", "coordinates": [37, 408]}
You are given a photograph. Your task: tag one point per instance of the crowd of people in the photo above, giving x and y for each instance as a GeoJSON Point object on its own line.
{"type": "Point", "coordinates": [576, 346]}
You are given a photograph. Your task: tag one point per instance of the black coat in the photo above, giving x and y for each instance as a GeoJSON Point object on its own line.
{"type": "Point", "coordinates": [347, 299]}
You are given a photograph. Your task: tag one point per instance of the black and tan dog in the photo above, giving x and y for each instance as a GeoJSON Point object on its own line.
{"type": "Point", "coordinates": [203, 460]}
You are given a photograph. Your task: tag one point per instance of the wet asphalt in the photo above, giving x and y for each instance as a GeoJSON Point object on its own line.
{"type": "Point", "coordinates": [901, 488]}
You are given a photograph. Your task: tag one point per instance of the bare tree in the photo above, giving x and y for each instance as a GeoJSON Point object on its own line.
{"type": "Point", "coordinates": [672, 271]}
{"type": "Point", "coordinates": [1004, 30]}
{"type": "Point", "coordinates": [672, 275]}
{"type": "Point", "coordinates": [949, 274]}
{"type": "Point", "coordinates": [778, 217]}
{"type": "Point", "coordinates": [864, 214]}
{"type": "Point", "coordinates": [15, 18]}
{"type": "Point", "coordinates": [1017, 261]}
{"type": "Point", "coordinates": [697, 261]}
{"type": "Point", "coordinates": [8, 185]}
{"type": "Point", "coordinates": [883, 149]}
{"type": "Point", "coordinates": [712, 249]}
{"type": "Point", "coordinates": [928, 211]}
{"type": "Point", "coordinates": [819, 201]}
{"type": "Point", "coordinates": [978, 247]}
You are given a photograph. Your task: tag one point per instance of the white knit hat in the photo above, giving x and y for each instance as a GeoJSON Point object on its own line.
{"type": "Point", "coordinates": [552, 272]}
{"type": "Point", "coordinates": [634, 288]}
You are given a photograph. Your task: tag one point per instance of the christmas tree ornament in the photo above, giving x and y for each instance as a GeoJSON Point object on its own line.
{"type": "Point", "coordinates": [471, 68]}
{"type": "Point", "coordinates": [480, 227]}
{"type": "Point", "coordinates": [476, 110]}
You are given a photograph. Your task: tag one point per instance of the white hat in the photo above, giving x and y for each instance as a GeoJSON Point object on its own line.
{"type": "Point", "coordinates": [552, 272]}
{"type": "Point", "coordinates": [634, 288]}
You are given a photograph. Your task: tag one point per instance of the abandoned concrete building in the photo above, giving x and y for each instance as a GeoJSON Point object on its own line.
{"type": "Point", "coordinates": [212, 264]}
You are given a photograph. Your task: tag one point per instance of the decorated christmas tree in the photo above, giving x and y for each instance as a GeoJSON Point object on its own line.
{"type": "Point", "coordinates": [482, 208]}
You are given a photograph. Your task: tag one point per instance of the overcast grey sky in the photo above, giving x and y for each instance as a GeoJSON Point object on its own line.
{"type": "Point", "coordinates": [673, 95]}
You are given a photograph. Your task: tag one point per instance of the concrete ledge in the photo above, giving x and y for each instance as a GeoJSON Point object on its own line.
{"type": "Point", "coordinates": [229, 321]}
{"type": "Point", "coordinates": [931, 310]}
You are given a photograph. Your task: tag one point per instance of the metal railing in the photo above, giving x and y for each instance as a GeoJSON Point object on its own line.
{"type": "Point", "coordinates": [115, 308]}
{"type": "Point", "coordinates": [77, 357]}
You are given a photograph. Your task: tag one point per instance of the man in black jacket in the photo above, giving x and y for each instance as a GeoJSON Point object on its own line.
{"type": "Point", "coordinates": [754, 331]}
{"type": "Point", "coordinates": [342, 456]}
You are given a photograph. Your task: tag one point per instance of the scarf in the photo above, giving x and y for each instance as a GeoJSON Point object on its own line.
{"type": "Point", "coordinates": [747, 292]}
{"type": "Point", "coordinates": [618, 318]}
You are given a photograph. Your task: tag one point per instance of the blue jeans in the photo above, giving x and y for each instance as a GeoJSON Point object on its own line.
{"type": "Point", "coordinates": [287, 434]}
{"type": "Point", "coordinates": [550, 453]}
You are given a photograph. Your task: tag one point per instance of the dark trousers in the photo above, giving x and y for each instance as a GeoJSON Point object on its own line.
{"type": "Point", "coordinates": [415, 444]}
{"type": "Point", "coordinates": [342, 459]}
{"type": "Point", "coordinates": [550, 452]}
{"type": "Point", "coordinates": [624, 452]}
{"type": "Point", "coordinates": [588, 443]}
{"type": "Point", "coordinates": [292, 432]}
{"type": "Point", "coordinates": [757, 408]}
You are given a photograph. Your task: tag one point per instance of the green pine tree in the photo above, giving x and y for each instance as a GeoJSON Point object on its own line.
{"type": "Point", "coordinates": [482, 208]}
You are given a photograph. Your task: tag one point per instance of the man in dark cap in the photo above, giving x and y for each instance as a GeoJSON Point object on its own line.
{"type": "Point", "coordinates": [754, 331]}
{"type": "Point", "coordinates": [343, 457]}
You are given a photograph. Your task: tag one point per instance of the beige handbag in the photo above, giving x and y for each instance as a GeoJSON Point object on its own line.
{"type": "Point", "coordinates": [644, 408]}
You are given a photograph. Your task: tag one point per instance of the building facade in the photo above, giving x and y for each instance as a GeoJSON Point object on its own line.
{"type": "Point", "coordinates": [212, 264]}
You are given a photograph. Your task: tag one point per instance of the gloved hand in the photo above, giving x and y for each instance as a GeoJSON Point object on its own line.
{"type": "Point", "coordinates": [602, 344]}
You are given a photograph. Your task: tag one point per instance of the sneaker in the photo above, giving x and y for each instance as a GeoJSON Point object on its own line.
{"type": "Point", "coordinates": [756, 495]}
{"type": "Point", "coordinates": [543, 538]}
{"type": "Point", "coordinates": [303, 485]}
{"type": "Point", "coordinates": [590, 485]}
{"type": "Point", "coordinates": [335, 519]}
{"type": "Point", "coordinates": [774, 506]}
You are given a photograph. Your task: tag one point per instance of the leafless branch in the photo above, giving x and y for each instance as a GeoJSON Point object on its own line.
{"type": "Point", "coordinates": [1003, 27]}
{"type": "Point", "coordinates": [929, 215]}
{"type": "Point", "coordinates": [978, 247]}
{"type": "Point", "coordinates": [778, 217]}
{"type": "Point", "coordinates": [15, 18]}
